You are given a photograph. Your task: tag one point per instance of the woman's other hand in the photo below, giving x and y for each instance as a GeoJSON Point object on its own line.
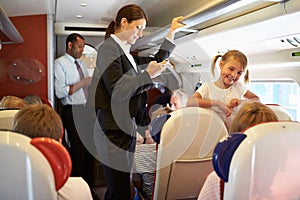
{"type": "Point", "coordinates": [176, 24]}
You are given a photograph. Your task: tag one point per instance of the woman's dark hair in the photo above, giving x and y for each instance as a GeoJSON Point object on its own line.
{"type": "Point", "coordinates": [131, 12]}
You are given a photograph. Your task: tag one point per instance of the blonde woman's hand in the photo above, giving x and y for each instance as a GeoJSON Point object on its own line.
{"type": "Point", "coordinates": [149, 139]}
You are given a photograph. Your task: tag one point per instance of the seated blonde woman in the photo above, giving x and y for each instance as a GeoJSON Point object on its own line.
{"type": "Point", "coordinates": [179, 99]}
{"type": "Point", "coordinates": [250, 114]}
{"type": "Point", "coordinates": [145, 154]}
{"type": "Point", "coordinates": [9, 102]}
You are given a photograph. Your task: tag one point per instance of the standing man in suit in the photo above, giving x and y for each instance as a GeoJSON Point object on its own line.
{"type": "Point", "coordinates": [71, 88]}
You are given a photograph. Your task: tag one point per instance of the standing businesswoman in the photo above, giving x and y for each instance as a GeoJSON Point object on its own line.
{"type": "Point", "coordinates": [118, 94]}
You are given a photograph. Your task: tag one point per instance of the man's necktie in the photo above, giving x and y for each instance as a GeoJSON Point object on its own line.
{"type": "Point", "coordinates": [85, 89]}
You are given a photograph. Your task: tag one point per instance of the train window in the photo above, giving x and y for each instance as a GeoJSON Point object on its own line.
{"type": "Point", "coordinates": [283, 92]}
{"type": "Point", "coordinates": [89, 56]}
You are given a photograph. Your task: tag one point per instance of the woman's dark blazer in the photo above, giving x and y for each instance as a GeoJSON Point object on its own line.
{"type": "Point", "coordinates": [118, 91]}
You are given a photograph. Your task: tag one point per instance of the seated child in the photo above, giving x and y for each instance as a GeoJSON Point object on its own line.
{"type": "Point", "coordinates": [248, 115]}
{"type": "Point", "coordinates": [41, 120]}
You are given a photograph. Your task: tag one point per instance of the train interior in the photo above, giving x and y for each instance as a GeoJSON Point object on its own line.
{"type": "Point", "coordinates": [33, 34]}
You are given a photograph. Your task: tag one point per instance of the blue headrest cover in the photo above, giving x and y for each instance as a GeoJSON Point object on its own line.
{"type": "Point", "coordinates": [223, 153]}
{"type": "Point", "coordinates": [156, 126]}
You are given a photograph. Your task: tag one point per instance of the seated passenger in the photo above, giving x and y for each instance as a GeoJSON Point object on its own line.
{"type": "Point", "coordinates": [178, 99]}
{"type": "Point", "coordinates": [9, 102]}
{"type": "Point", "coordinates": [43, 121]}
{"type": "Point", "coordinates": [249, 115]}
{"type": "Point", "coordinates": [145, 154]}
{"type": "Point", "coordinates": [226, 93]}
{"type": "Point", "coordinates": [33, 99]}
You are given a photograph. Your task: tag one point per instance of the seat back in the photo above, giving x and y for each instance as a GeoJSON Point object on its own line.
{"type": "Point", "coordinates": [266, 163]}
{"type": "Point", "coordinates": [27, 172]}
{"type": "Point", "coordinates": [46, 101]}
{"type": "Point", "coordinates": [156, 126]}
{"type": "Point", "coordinates": [281, 112]}
{"type": "Point", "coordinates": [153, 94]}
{"type": "Point", "coordinates": [184, 154]}
{"type": "Point", "coordinates": [7, 118]}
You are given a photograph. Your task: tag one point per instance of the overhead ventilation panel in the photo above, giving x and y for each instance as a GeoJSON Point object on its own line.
{"type": "Point", "coordinates": [212, 13]}
{"type": "Point", "coordinates": [8, 32]}
{"type": "Point", "coordinates": [83, 29]}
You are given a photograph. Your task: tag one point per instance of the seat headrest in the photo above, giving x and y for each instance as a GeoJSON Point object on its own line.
{"type": "Point", "coordinates": [223, 153]}
{"type": "Point", "coordinates": [7, 118]}
{"type": "Point", "coordinates": [58, 158]}
{"type": "Point", "coordinates": [281, 112]}
{"type": "Point", "coordinates": [156, 126]}
{"type": "Point", "coordinates": [42, 155]}
{"type": "Point", "coordinates": [265, 165]}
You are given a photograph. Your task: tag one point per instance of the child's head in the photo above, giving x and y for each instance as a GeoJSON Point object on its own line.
{"type": "Point", "coordinates": [232, 65]}
{"type": "Point", "coordinates": [250, 114]}
{"type": "Point", "coordinates": [38, 120]}
{"type": "Point", "coordinates": [178, 99]}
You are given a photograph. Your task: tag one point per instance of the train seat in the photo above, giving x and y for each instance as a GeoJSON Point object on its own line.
{"type": "Point", "coordinates": [31, 168]}
{"type": "Point", "coordinates": [281, 112]}
{"type": "Point", "coordinates": [156, 126]}
{"type": "Point", "coordinates": [185, 151]}
{"type": "Point", "coordinates": [263, 163]}
{"type": "Point", "coordinates": [7, 118]}
{"type": "Point", "coordinates": [46, 101]}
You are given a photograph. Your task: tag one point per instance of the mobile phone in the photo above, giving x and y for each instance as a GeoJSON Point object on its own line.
{"type": "Point", "coordinates": [179, 21]}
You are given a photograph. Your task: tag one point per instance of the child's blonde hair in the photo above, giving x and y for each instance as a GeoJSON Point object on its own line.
{"type": "Point", "coordinates": [236, 55]}
{"type": "Point", "coordinates": [250, 114]}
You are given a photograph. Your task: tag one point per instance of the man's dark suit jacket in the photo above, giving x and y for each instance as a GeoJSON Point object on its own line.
{"type": "Point", "coordinates": [118, 91]}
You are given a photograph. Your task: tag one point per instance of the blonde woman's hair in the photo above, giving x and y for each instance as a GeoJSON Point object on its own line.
{"type": "Point", "coordinates": [236, 55]}
{"type": "Point", "coordinates": [12, 102]}
{"type": "Point", "coordinates": [250, 114]}
{"type": "Point", "coordinates": [38, 120]}
{"type": "Point", "coordinates": [182, 94]}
